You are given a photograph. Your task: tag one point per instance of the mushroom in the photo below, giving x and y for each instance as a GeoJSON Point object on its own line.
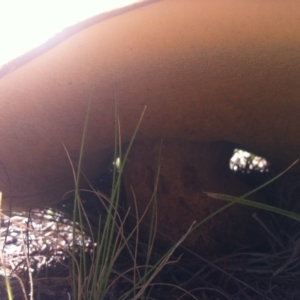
{"type": "Point", "coordinates": [206, 71]}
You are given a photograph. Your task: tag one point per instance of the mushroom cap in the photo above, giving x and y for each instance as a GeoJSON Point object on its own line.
{"type": "Point", "coordinates": [206, 70]}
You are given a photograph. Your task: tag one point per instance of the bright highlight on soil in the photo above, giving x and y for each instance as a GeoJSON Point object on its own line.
{"type": "Point", "coordinates": [27, 24]}
{"type": "Point", "coordinates": [246, 162]}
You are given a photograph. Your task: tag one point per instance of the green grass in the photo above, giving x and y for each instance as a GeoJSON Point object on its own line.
{"type": "Point", "coordinates": [7, 283]}
{"type": "Point", "coordinates": [93, 279]}
{"type": "Point", "coordinates": [243, 201]}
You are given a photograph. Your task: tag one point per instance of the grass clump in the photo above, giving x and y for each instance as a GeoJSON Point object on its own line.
{"type": "Point", "coordinates": [95, 277]}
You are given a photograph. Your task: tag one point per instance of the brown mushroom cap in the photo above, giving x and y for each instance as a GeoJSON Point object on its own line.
{"type": "Point", "coordinates": [207, 71]}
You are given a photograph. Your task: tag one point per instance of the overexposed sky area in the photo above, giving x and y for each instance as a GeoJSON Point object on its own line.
{"type": "Point", "coordinates": [25, 24]}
